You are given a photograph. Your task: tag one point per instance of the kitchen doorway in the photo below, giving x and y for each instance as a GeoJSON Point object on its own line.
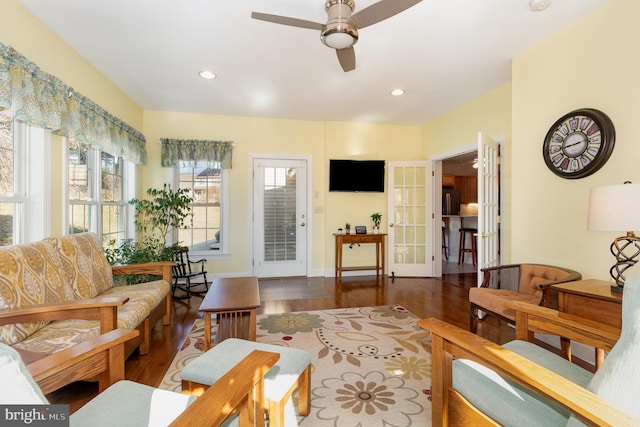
{"type": "Point", "coordinates": [459, 207]}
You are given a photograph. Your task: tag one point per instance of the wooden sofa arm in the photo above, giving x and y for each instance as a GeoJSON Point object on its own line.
{"type": "Point", "coordinates": [160, 268]}
{"type": "Point", "coordinates": [533, 318]}
{"type": "Point", "coordinates": [235, 390]}
{"type": "Point", "coordinates": [103, 309]}
{"type": "Point", "coordinates": [449, 342]}
{"type": "Point", "coordinates": [101, 357]}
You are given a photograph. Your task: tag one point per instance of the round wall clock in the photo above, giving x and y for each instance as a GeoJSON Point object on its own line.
{"type": "Point", "coordinates": [579, 143]}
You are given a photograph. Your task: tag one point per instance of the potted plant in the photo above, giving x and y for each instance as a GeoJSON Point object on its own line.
{"type": "Point", "coordinates": [347, 228]}
{"type": "Point", "coordinates": [163, 211]}
{"type": "Point", "coordinates": [376, 217]}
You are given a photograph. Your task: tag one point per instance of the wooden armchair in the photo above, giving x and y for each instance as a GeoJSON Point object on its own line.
{"type": "Point", "coordinates": [240, 391]}
{"type": "Point", "coordinates": [478, 383]}
{"type": "Point", "coordinates": [100, 359]}
{"type": "Point", "coordinates": [529, 283]}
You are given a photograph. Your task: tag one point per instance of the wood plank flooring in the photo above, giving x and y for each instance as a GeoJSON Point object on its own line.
{"type": "Point", "coordinates": [445, 298]}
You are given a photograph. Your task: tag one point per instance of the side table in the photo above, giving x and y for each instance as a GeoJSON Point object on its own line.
{"type": "Point", "coordinates": [590, 299]}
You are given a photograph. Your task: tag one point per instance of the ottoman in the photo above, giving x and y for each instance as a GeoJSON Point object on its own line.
{"type": "Point", "coordinates": [292, 371]}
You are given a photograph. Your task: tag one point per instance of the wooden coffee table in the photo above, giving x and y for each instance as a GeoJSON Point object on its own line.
{"type": "Point", "coordinates": [234, 301]}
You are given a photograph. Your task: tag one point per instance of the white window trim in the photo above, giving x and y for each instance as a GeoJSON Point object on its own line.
{"type": "Point", "coordinates": [223, 253]}
{"type": "Point", "coordinates": [129, 176]}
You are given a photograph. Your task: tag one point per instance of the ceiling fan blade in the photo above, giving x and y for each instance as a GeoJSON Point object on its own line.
{"type": "Point", "coordinates": [285, 20]}
{"type": "Point", "coordinates": [347, 58]}
{"type": "Point", "coordinates": [380, 11]}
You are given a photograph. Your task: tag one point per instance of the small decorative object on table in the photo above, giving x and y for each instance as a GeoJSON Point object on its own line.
{"type": "Point", "coordinates": [376, 217]}
{"type": "Point", "coordinates": [347, 227]}
{"type": "Point", "coordinates": [339, 230]}
{"type": "Point", "coordinates": [361, 229]}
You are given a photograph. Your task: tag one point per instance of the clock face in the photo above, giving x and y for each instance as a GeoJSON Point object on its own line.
{"type": "Point", "coordinates": [579, 143]}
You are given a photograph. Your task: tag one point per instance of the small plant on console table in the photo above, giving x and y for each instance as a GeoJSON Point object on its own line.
{"type": "Point", "coordinates": [376, 218]}
{"type": "Point", "coordinates": [347, 228]}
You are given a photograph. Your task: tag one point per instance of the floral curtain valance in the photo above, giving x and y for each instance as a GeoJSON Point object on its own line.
{"type": "Point", "coordinates": [40, 99]}
{"type": "Point", "coordinates": [218, 153]}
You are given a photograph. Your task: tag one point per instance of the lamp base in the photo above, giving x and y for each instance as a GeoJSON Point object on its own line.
{"type": "Point", "coordinates": [617, 289]}
{"type": "Point", "coordinates": [626, 249]}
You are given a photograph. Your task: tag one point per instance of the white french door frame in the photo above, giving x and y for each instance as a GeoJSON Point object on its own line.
{"type": "Point", "coordinates": [437, 195]}
{"type": "Point", "coordinates": [253, 158]}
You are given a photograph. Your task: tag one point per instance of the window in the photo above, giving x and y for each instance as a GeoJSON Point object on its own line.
{"type": "Point", "coordinates": [207, 186]}
{"type": "Point", "coordinates": [24, 173]}
{"type": "Point", "coordinates": [99, 187]}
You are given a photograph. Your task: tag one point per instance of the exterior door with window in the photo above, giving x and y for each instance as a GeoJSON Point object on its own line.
{"type": "Point", "coordinates": [280, 217]}
{"type": "Point", "coordinates": [411, 219]}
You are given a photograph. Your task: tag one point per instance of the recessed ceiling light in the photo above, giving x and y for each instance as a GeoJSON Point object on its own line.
{"type": "Point", "coordinates": [206, 74]}
{"type": "Point", "coordinates": [539, 5]}
{"type": "Point", "coordinates": [397, 92]}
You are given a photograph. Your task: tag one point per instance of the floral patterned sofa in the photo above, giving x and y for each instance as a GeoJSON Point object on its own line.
{"type": "Point", "coordinates": [59, 292]}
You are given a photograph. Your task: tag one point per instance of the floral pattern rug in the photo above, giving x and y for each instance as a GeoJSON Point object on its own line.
{"type": "Point", "coordinates": [371, 365]}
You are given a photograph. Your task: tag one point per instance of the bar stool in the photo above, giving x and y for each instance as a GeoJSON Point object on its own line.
{"type": "Point", "coordinates": [445, 245]}
{"type": "Point", "coordinates": [473, 232]}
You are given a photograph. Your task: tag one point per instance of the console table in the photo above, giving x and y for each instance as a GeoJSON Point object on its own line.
{"type": "Point", "coordinates": [348, 239]}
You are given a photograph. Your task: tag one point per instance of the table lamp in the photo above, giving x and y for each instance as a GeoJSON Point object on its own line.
{"type": "Point", "coordinates": [617, 208]}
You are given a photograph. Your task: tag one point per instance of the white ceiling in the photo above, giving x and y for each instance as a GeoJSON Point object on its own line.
{"type": "Point", "coordinates": [442, 52]}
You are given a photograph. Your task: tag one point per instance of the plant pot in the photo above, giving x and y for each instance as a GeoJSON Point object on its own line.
{"type": "Point", "coordinates": [376, 229]}
{"type": "Point", "coordinates": [348, 231]}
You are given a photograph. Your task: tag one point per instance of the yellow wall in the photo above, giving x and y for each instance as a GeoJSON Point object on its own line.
{"type": "Point", "coordinates": [592, 63]}
{"type": "Point", "coordinates": [318, 140]}
{"type": "Point", "coordinates": [490, 114]}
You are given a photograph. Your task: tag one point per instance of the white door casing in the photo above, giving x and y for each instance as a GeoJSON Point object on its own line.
{"type": "Point", "coordinates": [410, 219]}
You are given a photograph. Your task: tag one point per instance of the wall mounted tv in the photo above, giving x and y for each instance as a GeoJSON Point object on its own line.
{"type": "Point", "coordinates": [356, 175]}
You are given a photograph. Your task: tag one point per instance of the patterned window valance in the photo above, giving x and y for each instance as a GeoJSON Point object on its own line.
{"type": "Point", "coordinates": [218, 153]}
{"type": "Point", "coordinates": [40, 99]}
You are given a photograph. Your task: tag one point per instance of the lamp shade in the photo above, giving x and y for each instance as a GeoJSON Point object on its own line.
{"type": "Point", "coordinates": [614, 208]}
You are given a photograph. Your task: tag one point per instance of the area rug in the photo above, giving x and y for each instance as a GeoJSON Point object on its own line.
{"type": "Point", "coordinates": [371, 365]}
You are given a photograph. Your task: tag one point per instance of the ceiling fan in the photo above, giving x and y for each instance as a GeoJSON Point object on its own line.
{"type": "Point", "coordinates": [341, 30]}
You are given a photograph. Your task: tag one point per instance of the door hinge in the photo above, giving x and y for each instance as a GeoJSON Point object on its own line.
{"type": "Point", "coordinates": [498, 159]}
{"type": "Point", "coordinates": [498, 219]}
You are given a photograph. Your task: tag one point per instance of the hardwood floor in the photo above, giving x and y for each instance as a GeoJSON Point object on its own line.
{"type": "Point", "coordinates": [445, 298]}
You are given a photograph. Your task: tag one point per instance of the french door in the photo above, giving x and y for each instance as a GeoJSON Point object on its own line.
{"type": "Point", "coordinates": [279, 217]}
{"type": "Point", "coordinates": [489, 204]}
{"type": "Point", "coordinates": [410, 186]}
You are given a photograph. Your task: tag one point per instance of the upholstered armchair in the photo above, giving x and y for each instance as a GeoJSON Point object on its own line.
{"type": "Point", "coordinates": [478, 383]}
{"type": "Point", "coordinates": [529, 283]}
{"type": "Point", "coordinates": [128, 403]}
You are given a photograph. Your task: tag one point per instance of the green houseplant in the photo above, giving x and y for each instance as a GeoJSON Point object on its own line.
{"type": "Point", "coordinates": [162, 211]}
{"type": "Point", "coordinates": [347, 228]}
{"type": "Point", "coordinates": [376, 218]}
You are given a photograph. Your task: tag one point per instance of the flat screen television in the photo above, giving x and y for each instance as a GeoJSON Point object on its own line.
{"type": "Point", "coordinates": [356, 175]}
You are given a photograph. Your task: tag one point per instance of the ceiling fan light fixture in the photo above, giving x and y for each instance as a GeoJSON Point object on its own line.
{"type": "Point", "coordinates": [397, 92]}
{"type": "Point", "coordinates": [339, 37]}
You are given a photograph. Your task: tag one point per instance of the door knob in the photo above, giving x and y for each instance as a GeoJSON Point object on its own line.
{"type": "Point", "coordinates": [302, 224]}
{"type": "Point", "coordinates": [391, 225]}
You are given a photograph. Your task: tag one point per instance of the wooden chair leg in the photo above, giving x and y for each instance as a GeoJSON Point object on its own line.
{"type": "Point", "coordinates": [304, 392]}
{"type": "Point", "coordinates": [473, 318]}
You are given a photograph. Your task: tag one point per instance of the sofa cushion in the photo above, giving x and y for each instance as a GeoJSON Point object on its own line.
{"type": "Point", "coordinates": [143, 298]}
{"type": "Point", "coordinates": [506, 401]}
{"type": "Point", "coordinates": [132, 404]}
{"type": "Point", "coordinates": [60, 335]}
{"type": "Point", "coordinates": [18, 387]}
{"type": "Point", "coordinates": [29, 274]}
{"type": "Point", "coordinates": [85, 264]}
